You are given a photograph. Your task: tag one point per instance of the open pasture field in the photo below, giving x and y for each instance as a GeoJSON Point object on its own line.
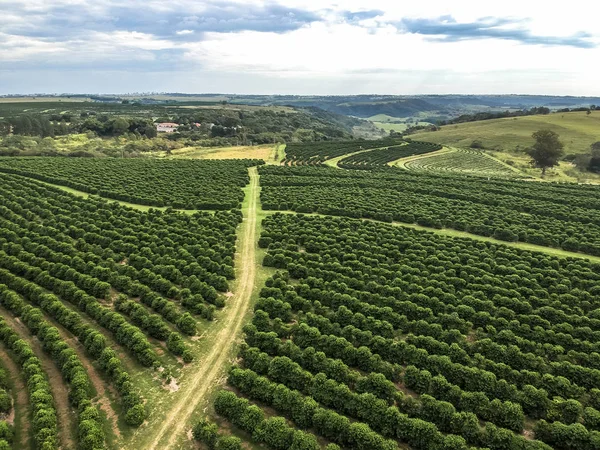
{"type": "Point", "coordinates": [577, 131]}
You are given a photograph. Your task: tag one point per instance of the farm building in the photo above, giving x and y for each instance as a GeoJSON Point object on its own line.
{"type": "Point", "coordinates": [166, 127]}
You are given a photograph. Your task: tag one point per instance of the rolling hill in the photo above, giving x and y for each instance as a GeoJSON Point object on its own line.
{"type": "Point", "coordinates": [577, 130]}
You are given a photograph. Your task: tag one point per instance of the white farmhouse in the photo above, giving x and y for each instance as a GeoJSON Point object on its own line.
{"type": "Point", "coordinates": [166, 127]}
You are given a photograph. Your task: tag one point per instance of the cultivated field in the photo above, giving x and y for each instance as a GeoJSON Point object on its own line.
{"type": "Point", "coordinates": [465, 161]}
{"type": "Point", "coordinates": [295, 305]}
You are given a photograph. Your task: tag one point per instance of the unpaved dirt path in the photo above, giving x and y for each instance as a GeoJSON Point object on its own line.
{"type": "Point", "coordinates": [21, 410]}
{"type": "Point", "coordinates": [401, 163]}
{"type": "Point", "coordinates": [209, 369]}
{"type": "Point", "coordinates": [64, 411]}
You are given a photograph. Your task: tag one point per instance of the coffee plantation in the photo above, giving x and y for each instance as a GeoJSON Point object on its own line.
{"type": "Point", "coordinates": [297, 306]}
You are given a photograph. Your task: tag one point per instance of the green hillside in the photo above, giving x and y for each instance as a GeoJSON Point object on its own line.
{"type": "Point", "coordinates": [576, 129]}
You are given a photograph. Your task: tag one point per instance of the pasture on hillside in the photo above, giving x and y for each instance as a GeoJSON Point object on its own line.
{"type": "Point", "coordinates": [577, 131]}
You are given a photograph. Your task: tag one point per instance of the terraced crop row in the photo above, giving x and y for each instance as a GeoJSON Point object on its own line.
{"type": "Point", "coordinates": [375, 337]}
{"type": "Point", "coordinates": [554, 215]}
{"type": "Point", "coordinates": [464, 161]}
{"type": "Point", "coordinates": [189, 184]}
{"type": "Point", "coordinates": [381, 157]}
{"type": "Point", "coordinates": [315, 153]}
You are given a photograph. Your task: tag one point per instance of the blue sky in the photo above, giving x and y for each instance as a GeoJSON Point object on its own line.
{"type": "Point", "coordinates": [299, 46]}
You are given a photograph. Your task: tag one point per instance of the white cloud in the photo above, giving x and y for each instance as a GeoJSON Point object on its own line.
{"type": "Point", "coordinates": [331, 54]}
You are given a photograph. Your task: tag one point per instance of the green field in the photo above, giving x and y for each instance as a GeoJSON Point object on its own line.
{"type": "Point", "coordinates": [293, 317]}
{"type": "Point", "coordinates": [464, 161]}
{"type": "Point", "coordinates": [576, 129]}
{"type": "Point", "coordinates": [390, 123]}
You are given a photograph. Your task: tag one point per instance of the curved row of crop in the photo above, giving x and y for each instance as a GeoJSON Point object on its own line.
{"type": "Point", "coordinates": [90, 433]}
{"type": "Point", "coordinates": [43, 412]}
{"type": "Point", "coordinates": [381, 157]}
{"type": "Point", "coordinates": [133, 273]}
{"type": "Point", "coordinates": [315, 153]}
{"type": "Point", "coordinates": [465, 161]}
{"type": "Point", "coordinates": [432, 341]}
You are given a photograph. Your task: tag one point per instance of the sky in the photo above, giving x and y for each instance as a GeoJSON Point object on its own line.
{"type": "Point", "coordinates": [319, 47]}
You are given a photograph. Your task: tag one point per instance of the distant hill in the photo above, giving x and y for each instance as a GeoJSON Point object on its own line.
{"type": "Point", "coordinates": [577, 130]}
{"type": "Point", "coordinates": [428, 108]}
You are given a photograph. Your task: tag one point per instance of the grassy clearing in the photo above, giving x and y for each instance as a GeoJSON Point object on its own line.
{"type": "Point", "coordinates": [576, 129]}
{"type": "Point", "coordinates": [237, 152]}
{"type": "Point", "coordinates": [277, 155]}
{"type": "Point", "coordinates": [565, 172]}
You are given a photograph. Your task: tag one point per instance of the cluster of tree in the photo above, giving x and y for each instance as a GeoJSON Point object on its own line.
{"type": "Point", "coordinates": [581, 109]}
{"type": "Point", "coordinates": [63, 124]}
{"type": "Point", "coordinates": [107, 127]}
{"type": "Point", "coordinates": [549, 214]}
{"type": "Point", "coordinates": [567, 437]}
{"type": "Point", "coordinates": [33, 126]}
{"type": "Point", "coordinates": [305, 411]}
{"type": "Point", "coordinates": [126, 334]}
{"type": "Point", "coordinates": [82, 264]}
{"type": "Point", "coordinates": [373, 401]}
{"type": "Point", "coordinates": [536, 110]}
{"type": "Point", "coordinates": [6, 406]}
{"type": "Point", "coordinates": [589, 161]}
{"type": "Point", "coordinates": [208, 433]}
{"type": "Point", "coordinates": [380, 158]}
{"type": "Point", "coordinates": [185, 184]}
{"type": "Point", "coordinates": [43, 412]}
{"type": "Point", "coordinates": [6, 402]}
{"type": "Point", "coordinates": [262, 126]}
{"type": "Point", "coordinates": [7, 434]}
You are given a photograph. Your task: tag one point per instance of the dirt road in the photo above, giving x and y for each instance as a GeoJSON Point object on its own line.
{"type": "Point", "coordinates": [210, 368]}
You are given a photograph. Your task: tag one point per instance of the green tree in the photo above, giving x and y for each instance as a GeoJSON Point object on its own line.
{"type": "Point", "coordinates": [119, 126]}
{"type": "Point", "coordinates": [229, 443]}
{"type": "Point", "coordinates": [546, 151]}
